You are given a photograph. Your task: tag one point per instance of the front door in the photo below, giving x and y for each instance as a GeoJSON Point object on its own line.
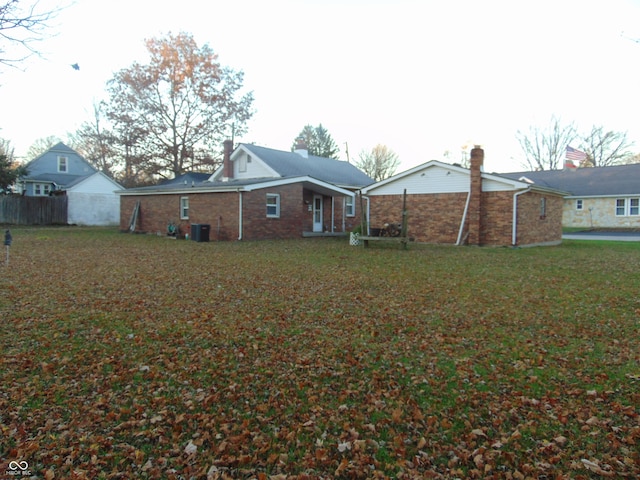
{"type": "Point", "coordinates": [317, 213]}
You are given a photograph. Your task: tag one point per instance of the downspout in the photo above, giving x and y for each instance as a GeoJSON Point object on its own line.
{"type": "Point", "coordinates": [368, 223]}
{"type": "Point", "coordinates": [239, 215]}
{"type": "Point", "coordinates": [464, 218]}
{"type": "Point", "coordinates": [514, 227]}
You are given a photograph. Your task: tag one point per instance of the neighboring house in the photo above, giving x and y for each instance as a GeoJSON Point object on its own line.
{"type": "Point", "coordinates": [257, 193]}
{"type": "Point", "coordinates": [449, 204]}
{"type": "Point", "coordinates": [187, 178]}
{"type": "Point", "coordinates": [62, 171]}
{"type": "Point", "coordinates": [602, 197]}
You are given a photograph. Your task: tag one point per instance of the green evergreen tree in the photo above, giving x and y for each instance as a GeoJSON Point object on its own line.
{"type": "Point", "coordinates": [318, 141]}
{"type": "Point", "coordinates": [8, 173]}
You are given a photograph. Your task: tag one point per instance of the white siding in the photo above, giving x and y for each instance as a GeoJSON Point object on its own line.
{"type": "Point", "coordinates": [434, 179]}
{"type": "Point", "coordinates": [93, 209]}
{"type": "Point", "coordinates": [96, 183]}
{"type": "Point", "coordinates": [255, 167]}
{"type": "Point", "coordinates": [489, 185]}
{"type": "Point", "coordinates": [93, 202]}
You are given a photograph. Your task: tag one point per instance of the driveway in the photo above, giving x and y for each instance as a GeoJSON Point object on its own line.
{"type": "Point", "coordinates": [615, 236]}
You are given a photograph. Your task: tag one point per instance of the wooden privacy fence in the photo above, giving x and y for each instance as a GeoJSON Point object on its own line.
{"type": "Point", "coordinates": [22, 210]}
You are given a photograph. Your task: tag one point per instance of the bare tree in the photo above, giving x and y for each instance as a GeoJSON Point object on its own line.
{"type": "Point", "coordinates": [177, 109]}
{"type": "Point", "coordinates": [7, 150]}
{"type": "Point", "coordinates": [633, 158]}
{"type": "Point", "coordinates": [606, 148]}
{"type": "Point", "coordinates": [96, 143]}
{"type": "Point", "coordinates": [40, 146]}
{"type": "Point", "coordinates": [379, 163]}
{"type": "Point", "coordinates": [22, 24]}
{"type": "Point", "coordinates": [545, 148]}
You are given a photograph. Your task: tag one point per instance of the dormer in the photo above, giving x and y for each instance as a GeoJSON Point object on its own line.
{"type": "Point", "coordinates": [241, 164]}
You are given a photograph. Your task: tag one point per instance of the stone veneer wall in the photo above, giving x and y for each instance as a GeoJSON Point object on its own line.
{"type": "Point", "coordinates": [596, 213]}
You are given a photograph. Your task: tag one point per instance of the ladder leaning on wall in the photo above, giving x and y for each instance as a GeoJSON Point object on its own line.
{"type": "Point", "coordinates": [134, 217]}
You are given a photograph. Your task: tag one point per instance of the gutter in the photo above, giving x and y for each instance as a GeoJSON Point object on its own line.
{"type": "Point", "coordinates": [464, 218]}
{"type": "Point", "coordinates": [514, 227]}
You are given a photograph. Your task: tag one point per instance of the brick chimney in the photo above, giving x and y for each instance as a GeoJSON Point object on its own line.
{"type": "Point", "coordinates": [475, 196]}
{"type": "Point", "coordinates": [227, 166]}
{"type": "Point", "coordinates": [301, 148]}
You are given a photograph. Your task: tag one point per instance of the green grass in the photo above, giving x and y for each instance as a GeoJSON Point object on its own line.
{"type": "Point", "coordinates": [272, 357]}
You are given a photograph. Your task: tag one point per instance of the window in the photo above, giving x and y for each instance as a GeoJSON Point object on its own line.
{"type": "Point", "coordinates": [62, 164]}
{"type": "Point", "coordinates": [350, 206]}
{"type": "Point", "coordinates": [579, 205]}
{"type": "Point", "coordinates": [242, 164]}
{"type": "Point", "coordinates": [543, 207]}
{"type": "Point", "coordinates": [273, 205]}
{"type": "Point", "coordinates": [184, 208]}
{"type": "Point", "coordinates": [627, 206]}
{"type": "Point", "coordinates": [41, 189]}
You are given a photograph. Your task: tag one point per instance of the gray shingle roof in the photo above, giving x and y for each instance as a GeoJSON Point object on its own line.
{"type": "Point", "coordinates": [187, 177]}
{"type": "Point", "coordinates": [60, 179]}
{"type": "Point", "coordinates": [201, 185]}
{"type": "Point", "coordinates": [290, 164]}
{"type": "Point", "coordinates": [601, 181]}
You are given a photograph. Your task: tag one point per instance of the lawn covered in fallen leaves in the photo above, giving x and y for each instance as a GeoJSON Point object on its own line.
{"type": "Point", "coordinates": [135, 356]}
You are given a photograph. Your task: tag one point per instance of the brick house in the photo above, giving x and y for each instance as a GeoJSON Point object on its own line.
{"type": "Point", "coordinates": [449, 204]}
{"type": "Point", "coordinates": [257, 193]}
{"type": "Point", "coordinates": [602, 197]}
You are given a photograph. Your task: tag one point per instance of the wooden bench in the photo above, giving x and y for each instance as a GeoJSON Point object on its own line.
{"type": "Point", "coordinates": [404, 241]}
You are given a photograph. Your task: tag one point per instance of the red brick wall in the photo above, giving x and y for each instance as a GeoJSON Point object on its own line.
{"type": "Point", "coordinates": [220, 211]}
{"type": "Point", "coordinates": [256, 225]}
{"type": "Point", "coordinates": [534, 229]}
{"type": "Point", "coordinates": [432, 218]}
{"type": "Point", "coordinates": [435, 218]}
{"type": "Point", "coordinates": [496, 218]}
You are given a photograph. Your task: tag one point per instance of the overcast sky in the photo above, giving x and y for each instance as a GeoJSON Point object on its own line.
{"type": "Point", "coordinates": [421, 77]}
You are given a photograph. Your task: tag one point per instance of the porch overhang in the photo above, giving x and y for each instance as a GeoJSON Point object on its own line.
{"type": "Point", "coordinates": [309, 183]}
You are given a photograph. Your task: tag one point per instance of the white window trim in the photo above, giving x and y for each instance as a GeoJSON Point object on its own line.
{"type": "Point", "coordinates": [350, 212]}
{"type": "Point", "coordinates": [276, 196]}
{"type": "Point", "coordinates": [626, 207]}
{"type": "Point", "coordinates": [66, 164]}
{"type": "Point", "coordinates": [45, 189]}
{"type": "Point", "coordinates": [579, 204]}
{"type": "Point", "coordinates": [184, 208]}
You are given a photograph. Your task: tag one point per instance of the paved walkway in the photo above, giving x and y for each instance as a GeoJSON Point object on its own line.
{"type": "Point", "coordinates": [615, 236]}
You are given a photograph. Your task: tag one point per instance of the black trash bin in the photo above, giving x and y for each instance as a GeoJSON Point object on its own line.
{"type": "Point", "coordinates": [200, 232]}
